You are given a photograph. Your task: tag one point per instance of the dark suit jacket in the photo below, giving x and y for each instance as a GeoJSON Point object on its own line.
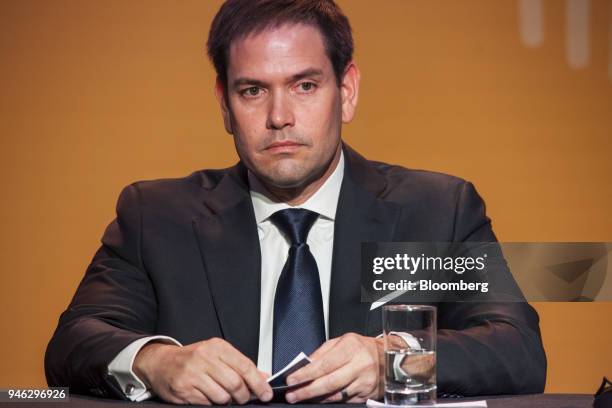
{"type": "Point", "coordinates": [182, 259]}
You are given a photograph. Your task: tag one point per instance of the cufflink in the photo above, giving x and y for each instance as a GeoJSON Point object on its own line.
{"type": "Point", "coordinates": [129, 389]}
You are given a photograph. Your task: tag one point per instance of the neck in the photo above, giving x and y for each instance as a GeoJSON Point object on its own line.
{"type": "Point", "coordinates": [299, 195]}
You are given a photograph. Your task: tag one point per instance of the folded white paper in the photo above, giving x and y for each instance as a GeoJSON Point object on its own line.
{"type": "Point", "coordinates": [478, 404]}
{"type": "Point", "coordinates": [279, 380]}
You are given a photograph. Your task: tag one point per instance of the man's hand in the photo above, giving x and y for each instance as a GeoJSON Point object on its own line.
{"type": "Point", "coordinates": [205, 373]}
{"type": "Point", "coordinates": [352, 363]}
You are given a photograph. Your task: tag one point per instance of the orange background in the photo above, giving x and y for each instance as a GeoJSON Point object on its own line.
{"type": "Point", "coordinates": [97, 94]}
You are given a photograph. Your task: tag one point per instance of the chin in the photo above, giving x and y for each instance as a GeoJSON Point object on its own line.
{"type": "Point", "coordinates": [289, 181]}
{"type": "Point", "coordinates": [287, 175]}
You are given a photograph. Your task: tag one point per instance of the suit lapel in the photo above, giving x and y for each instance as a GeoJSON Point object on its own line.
{"type": "Point", "coordinates": [229, 244]}
{"type": "Point", "coordinates": [360, 217]}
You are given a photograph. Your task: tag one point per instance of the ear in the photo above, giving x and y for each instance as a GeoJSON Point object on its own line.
{"type": "Point", "coordinates": [349, 91]}
{"type": "Point", "coordinates": [221, 98]}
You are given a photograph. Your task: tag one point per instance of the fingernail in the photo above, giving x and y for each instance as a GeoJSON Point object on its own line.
{"type": "Point", "coordinates": [267, 396]}
{"type": "Point", "coordinates": [290, 398]}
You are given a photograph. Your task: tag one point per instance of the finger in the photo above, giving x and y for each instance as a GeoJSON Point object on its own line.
{"type": "Point", "coordinates": [180, 396]}
{"type": "Point", "coordinates": [249, 373]}
{"type": "Point", "coordinates": [197, 399]}
{"type": "Point", "coordinates": [333, 359]}
{"type": "Point", "coordinates": [257, 383]}
{"type": "Point", "coordinates": [322, 399]}
{"type": "Point", "coordinates": [230, 381]}
{"type": "Point", "coordinates": [339, 396]}
{"type": "Point", "coordinates": [356, 400]}
{"type": "Point", "coordinates": [352, 397]}
{"type": "Point", "coordinates": [327, 384]}
{"type": "Point", "coordinates": [213, 391]}
{"type": "Point", "coordinates": [334, 397]}
{"type": "Point", "coordinates": [168, 396]}
{"type": "Point", "coordinates": [316, 355]}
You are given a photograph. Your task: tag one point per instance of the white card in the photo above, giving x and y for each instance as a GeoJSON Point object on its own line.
{"type": "Point", "coordinates": [279, 380]}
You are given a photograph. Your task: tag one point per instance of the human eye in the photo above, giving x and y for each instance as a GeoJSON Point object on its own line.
{"type": "Point", "coordinates": [306, 87]}
{"type": "Point", "coordinates": [251, 92]}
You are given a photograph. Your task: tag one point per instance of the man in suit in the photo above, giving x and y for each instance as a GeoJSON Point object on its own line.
{"type": "Point", "coordinates": [205, 284]}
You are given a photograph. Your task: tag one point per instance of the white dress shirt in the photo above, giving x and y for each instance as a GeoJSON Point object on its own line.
{"type": "Point", "coordinates": [274, 250]}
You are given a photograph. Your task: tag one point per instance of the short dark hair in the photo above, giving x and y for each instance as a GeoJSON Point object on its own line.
{"type": "Point", "coordinates": [237, 19]}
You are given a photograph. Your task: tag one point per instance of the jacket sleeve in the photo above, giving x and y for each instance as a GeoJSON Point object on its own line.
{"type": "Point", "coordinates": [487, 348]}
{"type": "Point", "coordinates": [114, 305]}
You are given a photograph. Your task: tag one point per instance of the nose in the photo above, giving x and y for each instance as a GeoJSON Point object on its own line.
{"type": "Point", "coordinates": [280, 113]}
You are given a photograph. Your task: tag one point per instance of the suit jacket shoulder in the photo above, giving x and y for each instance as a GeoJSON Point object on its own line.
{"type": "Point", "coordinates": [434, 206]}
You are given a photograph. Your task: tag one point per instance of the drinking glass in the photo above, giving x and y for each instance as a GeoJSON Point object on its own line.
{"type": "Point", "coordinates": [410, 354]}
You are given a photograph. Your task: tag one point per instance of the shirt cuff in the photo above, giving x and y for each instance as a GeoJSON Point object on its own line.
{"type": "Point", "coordinates": [121, 368]}
{"type": "Point", "coordinates": [408, 338]}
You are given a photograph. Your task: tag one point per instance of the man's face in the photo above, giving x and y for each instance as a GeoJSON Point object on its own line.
{"type": "Point", "coordinates": [283, 105]}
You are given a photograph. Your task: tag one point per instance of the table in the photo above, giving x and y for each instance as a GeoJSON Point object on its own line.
{"type": "Point", "coordinates": [504, 401]}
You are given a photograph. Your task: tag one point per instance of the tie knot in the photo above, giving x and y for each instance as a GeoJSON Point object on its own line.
{"type": "Point", "coordinates": [295, 223]}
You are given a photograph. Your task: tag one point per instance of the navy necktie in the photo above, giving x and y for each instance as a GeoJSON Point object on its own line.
{"type": "Point", "coordinates": [298, 307]}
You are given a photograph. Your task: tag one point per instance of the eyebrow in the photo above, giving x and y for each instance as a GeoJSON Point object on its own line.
{"type": "Point", "coordinates": [307, 73]}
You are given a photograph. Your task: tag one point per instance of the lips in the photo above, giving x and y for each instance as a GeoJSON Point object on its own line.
{"type": "Point", "coordinates": [283, 146]}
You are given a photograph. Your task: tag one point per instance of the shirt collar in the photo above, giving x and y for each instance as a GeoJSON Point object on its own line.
{"type": "Point", "coordinates": [324, 201]}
